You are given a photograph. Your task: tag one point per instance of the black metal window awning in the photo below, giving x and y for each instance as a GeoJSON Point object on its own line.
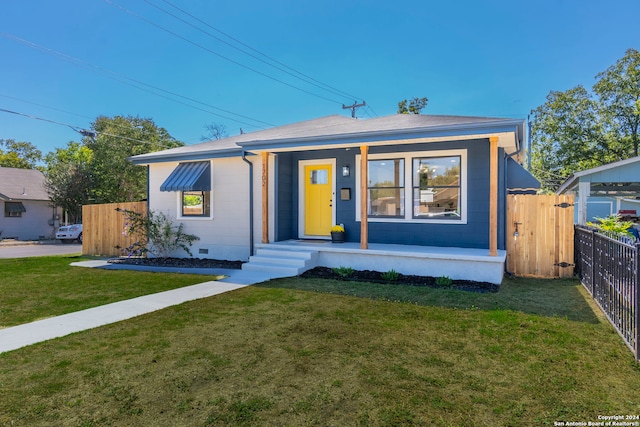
{"type": "Point", "coordinates": [192, 176]}
{"type": "Point", "coordinates": [14, 207]}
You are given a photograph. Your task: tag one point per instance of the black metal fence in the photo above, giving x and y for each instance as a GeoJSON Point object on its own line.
{"type": "Point", "coordinates": [608, 268]}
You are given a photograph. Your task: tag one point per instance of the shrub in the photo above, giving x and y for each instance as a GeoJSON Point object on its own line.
{"type": "Point", "coordinates": [344, 271]}
{"type": "Point", "coordinates": [157, 234]}
{"type": "Point", "coordinates": [391, 275]}
{"type": "Point", "coordinates": [612, 224]}
{"type": "Point", "coordinates": [444, 281]}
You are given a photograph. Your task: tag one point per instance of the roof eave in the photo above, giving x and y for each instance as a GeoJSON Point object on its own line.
{"type": "Point", "coordinates": [446, 131]}
{"type": "Point", "coordinates": [568, 184]}
{"type": "Point", "coordinates": [145, 159]}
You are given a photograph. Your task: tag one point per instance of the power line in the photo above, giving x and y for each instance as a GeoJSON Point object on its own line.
{"type": "Point", "coordinates": [75, 128]}
{"type": "Point", "coordinates": [55, 109]}
{"type": "Point", "coordinates": [127, 80]}
{"type": "Point", "coordinates": [368, 107]}
{"type": "Point", "coordinates": [280, 66]}
{"type": "Point", "coordinates": [206, 49]}
{"type": "Point", "coordinates": [81, 131]}
{"type": "Point", "coordinates": [45, 106]}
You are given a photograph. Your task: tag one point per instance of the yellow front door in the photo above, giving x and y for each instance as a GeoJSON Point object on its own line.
{"type": "Point", "coordinates": [318, 203]}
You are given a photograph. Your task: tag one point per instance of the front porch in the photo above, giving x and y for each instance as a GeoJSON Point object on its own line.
{"type": "Point", "coordinates": [455, 263]}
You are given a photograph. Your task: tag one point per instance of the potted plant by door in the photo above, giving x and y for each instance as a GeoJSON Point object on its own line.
{"type": "Point", "coordinates": [337, 234]}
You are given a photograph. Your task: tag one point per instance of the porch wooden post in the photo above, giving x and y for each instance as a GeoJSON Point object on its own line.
{"type": "Point", "coordinates": [493, 196]}
{"type": "Point", "coordinates": [265, 197]}
{"type": "Point", "coordinates": [364, 197]}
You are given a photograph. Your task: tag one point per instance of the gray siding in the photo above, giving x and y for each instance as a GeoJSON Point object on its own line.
{"type": "Point", "coordinates": [32, 225]}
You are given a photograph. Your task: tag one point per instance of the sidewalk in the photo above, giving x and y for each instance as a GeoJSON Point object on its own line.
{"type": "Point", "coordinates": [19, 336]}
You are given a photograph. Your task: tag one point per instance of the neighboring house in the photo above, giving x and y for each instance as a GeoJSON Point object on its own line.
{"type": "Point", "coordinates": [605, 190]}
{"type": "Point", "coordinates": [26, 213]}
{"type": "Point", "coordinates": [420, 194]}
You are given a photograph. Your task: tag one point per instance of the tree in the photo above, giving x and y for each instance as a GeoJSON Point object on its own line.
{"type": "Point", "coordinates": [21, 155]}
{"type": "Point", "coordinates": [566, 135]}
{"type": "Point", "coordinates": [115, 178]}
{"type": "Point", "coordinates": [412, 107]}
{"type": "Point", "coordinates": [68, 179]}
{"type": "Point", "coordinates": [619, 90]}
{"type": "Point", "coordinates": [576, 130]}
{"type": "Point", "coordinates": [214, 131]}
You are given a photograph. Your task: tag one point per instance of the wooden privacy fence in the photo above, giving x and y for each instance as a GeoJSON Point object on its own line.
{"type": "Point", "coordinates": [103, 227]}
{"type": "Point", "coordinates": [540, 235]}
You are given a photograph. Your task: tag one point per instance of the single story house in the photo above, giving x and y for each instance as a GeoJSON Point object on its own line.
{"type": "Point", "coordinates": [605, 190]}
{"type": "Point", "coordinates": [419, 194]}
{"type": "Point", "coordinates": [26, 210]}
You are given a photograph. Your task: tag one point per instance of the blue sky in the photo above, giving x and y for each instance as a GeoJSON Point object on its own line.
{"type": "Point", "coordinates": [484, 58]}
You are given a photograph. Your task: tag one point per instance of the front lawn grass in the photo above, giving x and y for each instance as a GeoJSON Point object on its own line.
{"type": "Point", "coordinates": [281, 354]}
{"type": "Point", "coordinates": [40, 287]}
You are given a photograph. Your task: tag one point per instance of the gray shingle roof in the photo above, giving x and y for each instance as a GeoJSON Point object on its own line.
{"type": "Point", "coordinates": [22, 184]}
{"type": "Point", "coordinates": [327, 128]}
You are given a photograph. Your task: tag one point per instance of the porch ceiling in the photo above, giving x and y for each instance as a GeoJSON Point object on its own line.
{"type": "Point", "coordinates": [626, 189]}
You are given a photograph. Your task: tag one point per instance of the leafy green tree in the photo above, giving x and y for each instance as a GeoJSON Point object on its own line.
{"type": "Point", "coordinates": [567, 135]}
{"type": "Point", "coordinates": [21, 155]}
{"type": "Point", "coordinates": [414, 106]}
{"type": "Point", "coordinates": [619, 90]}
{"type": "Point", "coordinates": [115, 178]}
{"type": "Point", "coordinates": [68, 179]}
{"type": "Point", "coordinates": [576, 130]}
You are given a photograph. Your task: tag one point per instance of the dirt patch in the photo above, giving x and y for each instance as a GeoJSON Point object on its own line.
{"type": "Point", "coordinates": [401, 279]}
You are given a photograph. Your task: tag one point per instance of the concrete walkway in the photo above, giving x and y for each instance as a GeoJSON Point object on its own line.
{"type": "Point", "coordinates": [19, 336]}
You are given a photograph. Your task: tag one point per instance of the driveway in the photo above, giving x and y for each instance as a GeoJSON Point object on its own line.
{"type": "Point", "coordinates": [26, 249]}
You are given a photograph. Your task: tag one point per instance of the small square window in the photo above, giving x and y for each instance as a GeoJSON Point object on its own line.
{"type": "Point", "coordinates": [196, 203]}
{"type": "Point", "coordinates": [320, 176]}
{"type": "Point", "coordinates": [13, 209]}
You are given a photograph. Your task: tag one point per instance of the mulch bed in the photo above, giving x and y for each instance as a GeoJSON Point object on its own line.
{"type": "Point", "coordinates": [179, 262]}
{"type": "Point", "coordinates": [378, 277]}
{"type": "Point", "coordinates": [318, 272]}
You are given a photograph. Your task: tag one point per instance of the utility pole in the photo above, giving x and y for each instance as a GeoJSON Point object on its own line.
{"type": "Point", "coordinates": [353, 107]}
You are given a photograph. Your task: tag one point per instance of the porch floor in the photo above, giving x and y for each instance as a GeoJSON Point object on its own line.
{"type": "Point", "coordinates": [435, 261]}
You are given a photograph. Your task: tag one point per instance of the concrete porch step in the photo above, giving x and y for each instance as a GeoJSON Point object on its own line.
{"type": "Point", "coordinates": [274, 270]}
{"type": "Point", "coordinates": [281, 262]}
{"type": "Point", "coordinates": [289, 253]}
{"type": "Point", "coordinates": [278, 260]}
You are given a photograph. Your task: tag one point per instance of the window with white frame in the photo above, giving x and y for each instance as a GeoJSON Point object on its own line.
{"type": "Point", "coordinates": [421, 186]}
{"type": "Point", "coordinates": [196, 203]}
{"type": "Point", "coordinates": [436, 187]}
{"type": "Point", "coordinates": [386, 188]}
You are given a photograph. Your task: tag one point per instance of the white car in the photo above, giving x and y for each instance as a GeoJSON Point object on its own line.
{"type": "Point", "coordinates": [69, 233]}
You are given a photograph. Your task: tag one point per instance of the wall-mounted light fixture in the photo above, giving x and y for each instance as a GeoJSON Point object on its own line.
{"type": "Point", "coordinates": [345, 170]}
{"type": "Point", "coordinates": [515, 233]}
